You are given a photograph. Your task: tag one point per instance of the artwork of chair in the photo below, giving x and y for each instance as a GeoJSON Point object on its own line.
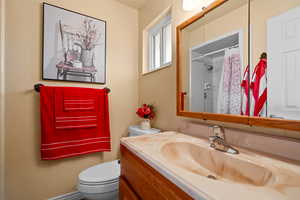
{"type": "Point", "coordinates": [74, 46]}
{"type": "Point", "coordinates": [76, 61]}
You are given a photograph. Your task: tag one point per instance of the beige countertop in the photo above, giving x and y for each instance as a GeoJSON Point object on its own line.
{"type": "Point", "coordinates": [186, 161]}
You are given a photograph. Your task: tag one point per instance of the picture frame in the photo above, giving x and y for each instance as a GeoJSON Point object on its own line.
{"type": "Point", "coordinates": [74, 46]}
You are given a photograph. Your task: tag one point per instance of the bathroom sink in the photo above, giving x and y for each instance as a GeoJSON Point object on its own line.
{"type": "Point", "coordinates": [195, 167]}
{"type": "Point", "coordinates": [216, 165]}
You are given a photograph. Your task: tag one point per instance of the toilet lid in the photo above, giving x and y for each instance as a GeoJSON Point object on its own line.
{"type": "Point", "coordinates": [104, 172]}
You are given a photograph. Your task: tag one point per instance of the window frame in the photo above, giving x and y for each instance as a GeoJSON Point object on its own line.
{"type": "Point", "coordinates": [158, 28]}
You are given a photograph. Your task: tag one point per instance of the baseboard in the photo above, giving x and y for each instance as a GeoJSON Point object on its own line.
{"type": "Point", "coordinates": [69, 196]}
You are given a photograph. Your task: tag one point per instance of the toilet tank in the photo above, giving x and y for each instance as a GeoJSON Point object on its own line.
{"type": "Point", "coordinates": [137, 131]}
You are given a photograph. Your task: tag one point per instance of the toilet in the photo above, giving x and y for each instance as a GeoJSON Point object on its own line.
{"type": "Point", "coordinates": [101, 182]}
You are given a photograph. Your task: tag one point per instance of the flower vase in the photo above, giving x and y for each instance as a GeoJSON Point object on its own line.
{"type": "Point", "coordinates": [87, 57]}
{"type": "Point", "coordinates": [145, 124]}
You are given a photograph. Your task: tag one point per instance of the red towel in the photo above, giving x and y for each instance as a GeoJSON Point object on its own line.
{"type": "Point", "coordinates": [259, 88]}
{"type": "Point", "coordinates": [75, 121]}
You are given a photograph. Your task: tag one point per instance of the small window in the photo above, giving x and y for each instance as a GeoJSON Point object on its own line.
{"type": "Point", "coordinates": [160, 44]}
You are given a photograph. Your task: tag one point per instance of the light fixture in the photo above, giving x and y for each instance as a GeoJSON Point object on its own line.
{"type": "Point", "coordinates": [189, 5]}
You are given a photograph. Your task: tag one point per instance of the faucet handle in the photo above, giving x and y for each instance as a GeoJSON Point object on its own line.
{"type": "Point", "coordinates": [216, 131]}
{"type": "Point", "coordinates": [210, 131]}
{"type": "Point", "coordinates": [212, 138]}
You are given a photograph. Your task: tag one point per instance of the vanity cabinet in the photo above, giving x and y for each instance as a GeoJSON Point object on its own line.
{"type": "Point", "coordinates": [126, 192]}
{"type": "Point", "coordinates": [141, 181]}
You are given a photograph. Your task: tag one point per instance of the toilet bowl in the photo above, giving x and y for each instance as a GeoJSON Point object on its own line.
{"type": "Point", "coordinates": [101, 182]}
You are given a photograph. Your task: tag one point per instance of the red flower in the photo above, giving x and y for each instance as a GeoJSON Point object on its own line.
{"type": "Point", "coordinates": [146, 112]}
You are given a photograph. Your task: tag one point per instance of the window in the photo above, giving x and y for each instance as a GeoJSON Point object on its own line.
{"type": "Point", "coordinates": [160, 44]}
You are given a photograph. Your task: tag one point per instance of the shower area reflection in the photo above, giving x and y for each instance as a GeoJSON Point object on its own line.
{"type": "Point", "coordinates": [205, 80]}
{"type": "Point", "coordinates": [212, 83]}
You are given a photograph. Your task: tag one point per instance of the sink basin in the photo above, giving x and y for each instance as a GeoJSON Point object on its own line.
{"type": "Point", "coordinates": [216, 165]}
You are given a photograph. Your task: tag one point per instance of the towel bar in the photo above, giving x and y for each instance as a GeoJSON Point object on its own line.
{"type": "Point", "coordinates": [38, 85]}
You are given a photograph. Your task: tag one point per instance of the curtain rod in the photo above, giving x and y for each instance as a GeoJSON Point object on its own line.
{"type": "Point", "coordinates": [213, 52]}
{"type": "Point", "coordinates": [37, 88]}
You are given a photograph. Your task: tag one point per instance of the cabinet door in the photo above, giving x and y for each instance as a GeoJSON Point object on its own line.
{"type": "Point", "coordinates": [126, 193]}
{"type": "Point", "coordinates": [146, 182]}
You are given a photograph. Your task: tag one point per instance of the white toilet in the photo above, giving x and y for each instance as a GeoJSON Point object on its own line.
{"type": "Point", "coordinates": [101, 182]}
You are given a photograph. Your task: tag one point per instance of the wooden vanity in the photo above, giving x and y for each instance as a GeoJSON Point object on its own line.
{"type": "Point", "coordinates": [175, 166]}
{"type": "Point", "coordinates": [140, 181]}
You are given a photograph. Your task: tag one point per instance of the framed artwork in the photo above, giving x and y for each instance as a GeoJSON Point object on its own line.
{"type": "Point", "coordinates": [74, 46]}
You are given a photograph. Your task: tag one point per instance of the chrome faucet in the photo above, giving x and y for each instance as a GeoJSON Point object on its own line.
{"type": "Point", "coordinates": [218, 142]}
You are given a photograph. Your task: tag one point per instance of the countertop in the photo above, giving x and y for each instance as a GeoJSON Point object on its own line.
{"type": "Point", "coordinates": [149, 148]}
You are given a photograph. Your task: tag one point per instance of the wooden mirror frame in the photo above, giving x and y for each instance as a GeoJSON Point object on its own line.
{"type": "Point", "coordinates": [292, 125]}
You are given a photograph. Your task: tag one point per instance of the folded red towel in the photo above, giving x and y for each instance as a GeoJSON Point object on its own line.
{"type": "Point", "coordinates": [74, 121]}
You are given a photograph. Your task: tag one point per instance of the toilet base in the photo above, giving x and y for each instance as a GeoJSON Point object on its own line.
{"type": "Point", "coordinates": [113, 195]}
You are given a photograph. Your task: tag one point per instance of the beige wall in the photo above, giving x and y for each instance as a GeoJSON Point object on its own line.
{"type": "Point", "coordinates": [27, 177]}
{"type": "Point", "coordinates": [159, 87]}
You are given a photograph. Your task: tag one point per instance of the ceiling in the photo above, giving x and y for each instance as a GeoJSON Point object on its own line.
{"type": "Point", "coordinates": [133, 3]}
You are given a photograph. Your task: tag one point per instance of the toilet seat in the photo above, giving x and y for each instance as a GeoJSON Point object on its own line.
{"type": "Point", "coordinates": [104, 173]}
{"type": "Point", "coordinates": [100, 179]}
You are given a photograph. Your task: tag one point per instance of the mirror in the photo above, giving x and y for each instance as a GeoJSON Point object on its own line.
{"type": "Point", "coordinates": [213, 52]}
{"type": "Point", "coordinates": [214, 79]}
{"type": "Point", "coordinates": [275, 59]}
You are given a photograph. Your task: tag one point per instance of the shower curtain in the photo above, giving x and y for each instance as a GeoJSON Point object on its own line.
{"type": "Point", "coordinates": [229, 97]}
